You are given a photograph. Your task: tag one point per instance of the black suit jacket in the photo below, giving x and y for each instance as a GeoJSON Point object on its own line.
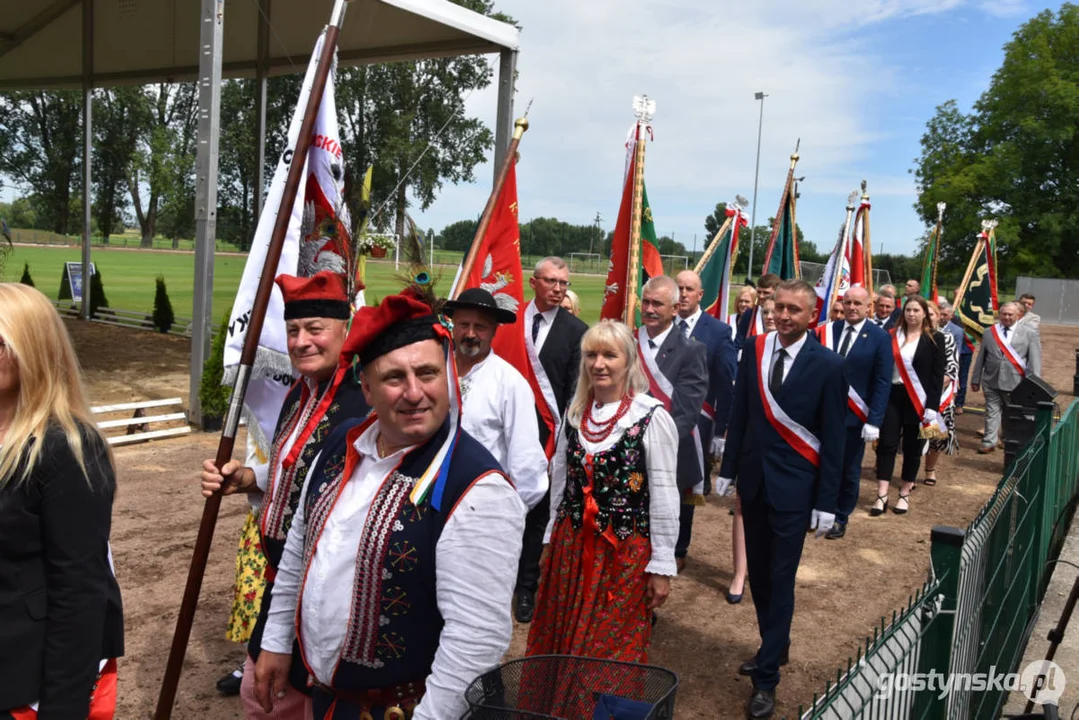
{"type": "Point", "coordinates": [930, 362]}
{"type": "Point", "coordinates": [60, 611]}
{"type": "Point", "coordinates": [561, 359]}
{"type": "Point", "coordinates": [685, 363]}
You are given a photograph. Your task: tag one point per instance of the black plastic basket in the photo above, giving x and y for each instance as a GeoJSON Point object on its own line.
{"type": "Point", "coordinates": [563, 687]}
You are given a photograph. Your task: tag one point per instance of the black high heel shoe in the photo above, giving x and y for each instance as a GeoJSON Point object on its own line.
{"type": "Point", "coordinates": [733, 599]}
{"type": "Point", "coordinates": [877, 512]}
{"type": "Point", "coordinates": [902, 511]}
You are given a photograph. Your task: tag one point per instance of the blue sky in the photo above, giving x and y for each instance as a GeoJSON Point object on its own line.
{"type": "Point", "coordinates": [857, 83]}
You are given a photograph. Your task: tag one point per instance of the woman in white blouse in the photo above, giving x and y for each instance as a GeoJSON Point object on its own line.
{"type": "Point", "coordinates": [614, 510]}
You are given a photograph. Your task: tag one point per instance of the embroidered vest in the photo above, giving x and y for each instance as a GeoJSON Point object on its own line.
{"type": "Point", "coordinates": [348, 403]}
{"type": "Point", "coordinates": [395, 623]}
{"type": "Point", "coordinates": [620, 483]}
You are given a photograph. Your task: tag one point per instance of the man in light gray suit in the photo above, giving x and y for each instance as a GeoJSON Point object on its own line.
{"type": "Point", "coordinates": [677, 370]}
{"type": "Point", "coordinates": [998, 370]}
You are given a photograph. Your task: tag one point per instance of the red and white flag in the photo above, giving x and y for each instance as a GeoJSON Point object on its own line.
{"type": "Point", "coordinates": [317, 230]}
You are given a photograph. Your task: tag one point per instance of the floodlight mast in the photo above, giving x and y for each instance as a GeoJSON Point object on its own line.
{"type": "Point", "coordinates": [756, 177]}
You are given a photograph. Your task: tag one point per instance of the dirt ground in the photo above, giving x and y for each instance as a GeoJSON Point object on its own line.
{"type": "Point", "coordinates": [844, 586]}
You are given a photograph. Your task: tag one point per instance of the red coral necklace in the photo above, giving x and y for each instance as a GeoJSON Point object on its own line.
{"type": "Point", "coordinates": [603, 429]}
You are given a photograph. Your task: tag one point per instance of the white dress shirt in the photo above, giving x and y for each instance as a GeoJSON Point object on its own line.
{"type": "Point", "coordinates": [907, 351]}
{"type": "Point", "coordinates": [500, 411]}
{"type": "Point", "coordinates": [545, 324]}
{"type": "Point", "coordinates": [853, 338]}
{"type": "Point", "coordinates": [792, 354]}
{"type": "Point", "coordinates": [476, 559]}
{"type": "Point", "coordinates": [658, 340]}
{"type": "Point", "coordinates": [661, 458]}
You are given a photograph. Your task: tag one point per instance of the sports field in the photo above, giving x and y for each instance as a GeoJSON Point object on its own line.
{"type": "Point", "coordinates": [128, 277]}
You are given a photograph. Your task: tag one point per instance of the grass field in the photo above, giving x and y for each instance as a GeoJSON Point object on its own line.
{"type": "Point", "coordinates": [128, 277]}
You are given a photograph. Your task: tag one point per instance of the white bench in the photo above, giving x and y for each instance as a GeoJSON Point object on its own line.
{"type": "Point", "coordinates": [138, 425]}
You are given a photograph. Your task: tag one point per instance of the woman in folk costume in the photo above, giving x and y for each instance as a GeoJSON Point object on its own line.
{"type": "Point", "coordinates": [914, 403]}
{"type": "Point", "coordinates": [61, 620]}
{"type": "Point", "coordinates": [615, 504]}
{"type": "Point", "coordinates": [399, 568]}
{"type": "Point", "coordinates": [944, 442]}
{"type": "Point", "coordinates": [326, 394]}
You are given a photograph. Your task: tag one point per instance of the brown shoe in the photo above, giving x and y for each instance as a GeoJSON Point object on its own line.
{"type": "Point", "coordinates": [986, 449]}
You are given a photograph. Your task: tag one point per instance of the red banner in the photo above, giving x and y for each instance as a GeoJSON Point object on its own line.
{"type": "Point", "coordinates": [614, 295]}
{"type": "Point", "coordinates": [498, 270]}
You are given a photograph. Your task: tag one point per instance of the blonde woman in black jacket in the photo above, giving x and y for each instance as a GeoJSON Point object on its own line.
{"type": "Point", "coordinates": [61, 622]}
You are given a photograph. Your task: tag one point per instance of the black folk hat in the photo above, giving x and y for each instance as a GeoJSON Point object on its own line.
{"type": "Point", "coordinates": [479, 299]}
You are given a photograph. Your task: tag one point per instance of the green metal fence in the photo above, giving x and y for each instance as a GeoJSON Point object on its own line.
{"type": "Point", "coordinates": [972, 619]}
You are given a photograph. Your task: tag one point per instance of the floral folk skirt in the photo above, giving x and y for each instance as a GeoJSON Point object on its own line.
{"type": "Point", "coordinates": [250, 582]}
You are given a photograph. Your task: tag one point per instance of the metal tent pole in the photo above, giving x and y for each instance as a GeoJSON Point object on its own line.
{"type": "Point", "coordinates": [261, 75]}
{"type": "Point", "coordinates": [507, 68]}
{"type": "Point", "coordinates": [87, 144]}
{"type": "Point", "coordinates": [209, 80]}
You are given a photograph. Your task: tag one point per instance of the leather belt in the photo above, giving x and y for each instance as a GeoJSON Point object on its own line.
{"type": "Point", "coordinates": [399, 701]}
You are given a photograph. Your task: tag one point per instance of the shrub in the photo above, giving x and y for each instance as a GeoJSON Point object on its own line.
{"type": "Point", "coordinates": [163, 316]}
{"type": "Point", "coordinates": [26, 279]}
{"type": "Point", "coordinates": [213, 396]}
{"type": "Point", "coordinates": [97, 294]}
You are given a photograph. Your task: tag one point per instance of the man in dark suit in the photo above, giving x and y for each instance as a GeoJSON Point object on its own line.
{"type": "Point", "coordinates": [553, 336]}
{"type": "Point", "coordinates": [788, 462]}
{"type": "Point", "coordinates": [677, 370]}
{"type": "Point", "coordinates": [884, 307]}
{"type": "Point", "coordinates": [750, 323]}
{"type": "Point", "coordinates": [722, 360]}
{"type": "Point", "coordinates": [868, 353]}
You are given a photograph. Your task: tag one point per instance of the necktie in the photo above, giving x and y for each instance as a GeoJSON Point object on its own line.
{"type": "Point", "coordinates": [651, 344]}
{"type": "Point", "coordinates": [1005, 333]}
{"type": "Point", "coordinates": [536, 320]}
{"type": "Point", "coordinates": [683, 327]}
{"type": "Point", "coordinates": [845, 347]}
{"type": "Point", "coordinates": [776, 381]}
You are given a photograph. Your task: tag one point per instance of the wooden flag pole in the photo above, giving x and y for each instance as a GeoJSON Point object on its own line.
{"type": "Point", "coordinates": [782, 200]}
{"type": "Point", "coordinates": [966, 277]}
{"type": "Point", "coordinates": [185, 619]}
{"type": "Point", "coordinates": [867, 249]}
{"type": "Point", "coordinates": [712, 246]}
{"type": "Point", "coordinates": [519, 128]}
{"type": "Point", "coordinates": [644, 108]}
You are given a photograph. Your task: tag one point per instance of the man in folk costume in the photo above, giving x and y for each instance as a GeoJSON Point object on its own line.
{"type": "Point", "coordinates": [1009, 352]}
{"type": "Point", "coordinates": [498, 406]}
{"type": "Point", "coordinates": [785, 451]}
{"type": "Point", "coordinates": [751, 323]}
{"type": "Point", "coordinates": [327, 394]}
{"type": "Point", "coordinates": [867, 351]}
{"type": "Point", "coordinates": [722, 362]}
{"type": "Point", "coordinates": [677, 371]}
{"type": "Point", "coordinates": [553, 340]}
{"type": "Point", "coordinates": [398, 570]}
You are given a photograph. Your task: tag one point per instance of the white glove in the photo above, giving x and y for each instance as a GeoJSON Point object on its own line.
{"type": "Point", "coordinates": [931, 417]}
{"type": "Point", "coordinates": [870, 433]}
{"type": "Point", "coordinates": [722, 485]}
{"type": "Point", "coordinates": [821, 521]}
{"type": "Point", "coordinates": [717, 446]}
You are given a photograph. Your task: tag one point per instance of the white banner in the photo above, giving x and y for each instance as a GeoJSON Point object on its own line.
{"type": "Point", "coordinates": [311, 245]}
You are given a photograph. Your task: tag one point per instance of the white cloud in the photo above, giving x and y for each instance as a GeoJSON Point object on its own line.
{"type": "Point", "coordinates": [582, 62]}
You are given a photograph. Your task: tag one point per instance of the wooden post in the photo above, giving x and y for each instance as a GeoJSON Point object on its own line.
{"type": "Point", "coordinates": [867, 249]}
{"type": "Point", "coordinates": [712, 246]}
{"type": "Point", "coordinates": [186, 617]}
{"type": "Point", "coordinates": [633, 267]}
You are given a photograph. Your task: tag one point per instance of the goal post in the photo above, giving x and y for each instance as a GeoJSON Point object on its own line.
{"type": "Point", "coordinates": [587, 264]}
{"type": "Point", "coordinates": [674, 264]}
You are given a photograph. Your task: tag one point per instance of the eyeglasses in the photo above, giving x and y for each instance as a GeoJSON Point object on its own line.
{"type": "Point", "coordinates": [554, 281]}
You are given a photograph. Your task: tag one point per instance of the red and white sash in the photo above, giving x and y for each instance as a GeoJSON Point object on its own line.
{"type": "Point", "coordinates": [1006, 349]}
{"type": "Point", "coordinates": [857, 405]}
{"type": "Point", "coordinates": [541, 378]}
{"type": "Point", "coordinates": [804, 442]}
{"type": "Point", "coordinates": [756, 323]}
{"type": "Point", "coordinates": [662, 389]}
{"type": "Point", "coordinates": [824, 334]}
{"type": "Point", "coordinates": [915, 391]}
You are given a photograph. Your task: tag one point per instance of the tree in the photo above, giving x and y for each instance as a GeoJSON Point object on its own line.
{"type": "Point", "coordinates": [116, 128]}
{"type": "Point", "coordinates": [457, 236]}
{"type": "Point", "coordinates": [163, 111]}
{"type": "Point", "coordinates": [1014, 158]}
{"type": "Point", "coordinates": [163, 316]}
{"type": "Point", "coordinates": [41, 139]}
{"type": "Point", "coordinates": [714, 222]}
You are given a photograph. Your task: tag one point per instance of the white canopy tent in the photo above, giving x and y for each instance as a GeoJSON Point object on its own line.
{"type": "Point", "coordinates": [54, 44]}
